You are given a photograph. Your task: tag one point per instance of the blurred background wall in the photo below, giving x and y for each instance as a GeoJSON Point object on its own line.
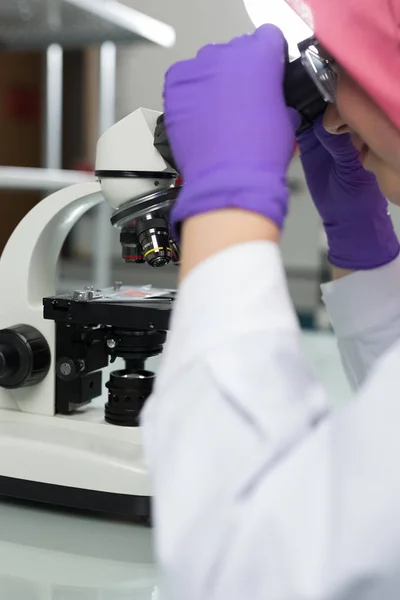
{"type": "Point", "coordinates": [21, 80]}
{"type": "Point", "coordinates": [139, 76]}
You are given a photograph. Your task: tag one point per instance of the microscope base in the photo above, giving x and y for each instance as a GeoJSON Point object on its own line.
{"type": "Point", "coordinates": [74, 462]}
{"type": "Point", "coordinates": [122, 505]}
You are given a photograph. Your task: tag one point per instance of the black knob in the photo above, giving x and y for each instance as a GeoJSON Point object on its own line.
{"type": "Point", "coordinates": [24, 357]}
{"type": "Point", "coordinates": [127, 393]}
{"type": "Point", "coordinates": [69, 369]}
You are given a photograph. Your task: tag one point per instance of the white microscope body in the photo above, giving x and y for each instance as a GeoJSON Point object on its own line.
{"type": "Point", "coordinates": [76, 459]}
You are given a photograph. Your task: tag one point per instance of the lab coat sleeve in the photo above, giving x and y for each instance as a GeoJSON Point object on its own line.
{"type": "Point", "coordinates": [233, 395]}
{"type": "Point", "coordinates": [364, 309]}
{"type": "Point", "coordinates": [260, 492]}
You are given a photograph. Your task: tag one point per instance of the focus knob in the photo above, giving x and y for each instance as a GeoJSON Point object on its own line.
{"type": "Point", "coordinates": [24, 357]}
{"type": "Point", "coordinates": [69, 369]}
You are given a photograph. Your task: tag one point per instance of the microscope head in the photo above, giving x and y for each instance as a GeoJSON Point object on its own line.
{"type": "Point", "coordinates": [140, 185]}
{"type": "Point", "coordinates": [128, 165]}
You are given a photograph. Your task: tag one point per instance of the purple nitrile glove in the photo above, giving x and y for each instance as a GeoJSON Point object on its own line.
{"type": "Point", "coordinates": [230, 131]}
{"type": "Point", "coordinates": [353, 209]}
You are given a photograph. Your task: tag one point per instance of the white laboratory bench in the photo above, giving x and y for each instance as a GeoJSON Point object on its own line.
{"type": "Point", "coordinates": [48, 554]}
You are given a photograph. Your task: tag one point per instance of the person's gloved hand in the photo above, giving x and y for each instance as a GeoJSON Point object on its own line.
{"type": "Point", "coordinates": [354, 212]}
{"type": "Point", "coordinates": [230, 131]}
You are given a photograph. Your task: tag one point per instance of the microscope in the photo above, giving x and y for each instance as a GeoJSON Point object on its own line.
{"type": "Point", "coordinates": [59, 442]}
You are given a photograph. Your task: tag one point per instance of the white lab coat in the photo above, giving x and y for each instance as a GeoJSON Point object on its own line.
{"type": "Point", "coordinates": [262, 491]}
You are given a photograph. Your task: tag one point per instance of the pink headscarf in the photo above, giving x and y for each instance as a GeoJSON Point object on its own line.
{"type": "Point", "coordinates": [364, 37]}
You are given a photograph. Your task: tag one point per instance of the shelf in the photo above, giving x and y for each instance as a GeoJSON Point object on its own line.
{"type": "Point", "coordinates": [35, 24]}
{"type": "Point", "coordinates": [25, 178]}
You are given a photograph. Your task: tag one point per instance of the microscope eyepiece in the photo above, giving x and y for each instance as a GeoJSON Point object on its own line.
{"type": "Point", "coordinates": [302, 94]}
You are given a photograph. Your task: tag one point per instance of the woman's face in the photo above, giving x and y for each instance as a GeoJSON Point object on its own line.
{"type": "Point", "coordinates": [374, 136]}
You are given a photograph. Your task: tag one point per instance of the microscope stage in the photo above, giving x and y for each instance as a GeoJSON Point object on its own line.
{"type": "Point", "coordinates": [140, 308]}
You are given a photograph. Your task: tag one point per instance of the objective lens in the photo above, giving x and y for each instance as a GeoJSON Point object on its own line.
{"type": "Point", "coordinates": [131, 250]}
{"type": "Point", "coordinates": [153, 237]}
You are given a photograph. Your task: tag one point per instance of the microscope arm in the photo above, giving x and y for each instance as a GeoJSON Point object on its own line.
{"type": "Point", "coordinates": [28, 274]}
{"type": "Point", "coordinates": [29, 260]}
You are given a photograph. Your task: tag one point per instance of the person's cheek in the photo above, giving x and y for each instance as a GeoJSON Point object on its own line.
{"type": "Point", "coordinates": [372, 164]}
{"type": "Point", "coordinates": [393, 196]}
{"type": "Point", "coordinates": [388, 178]}
{"type": "Point", "coordinates": [366, 119]}
{"type": "Point", "coordinates": [353, 105]}
{"type": "Point", "coordinates": [392, 183]}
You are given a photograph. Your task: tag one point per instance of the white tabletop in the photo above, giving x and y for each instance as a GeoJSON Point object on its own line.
{"type": "Point", "coordinates": [48, 554]}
